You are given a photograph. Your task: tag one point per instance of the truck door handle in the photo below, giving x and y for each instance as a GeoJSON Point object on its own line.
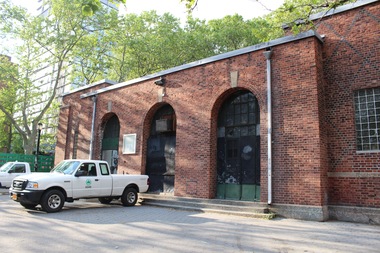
{"type": "Point", "coordinates": [96, 179]}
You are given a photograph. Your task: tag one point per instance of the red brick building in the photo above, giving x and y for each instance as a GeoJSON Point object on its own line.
{"type": "Point", "coordinates": [202, 129]}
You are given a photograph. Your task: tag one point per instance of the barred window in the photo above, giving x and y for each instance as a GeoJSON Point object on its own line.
{"type": "Point", "coordinates": [367, 119]}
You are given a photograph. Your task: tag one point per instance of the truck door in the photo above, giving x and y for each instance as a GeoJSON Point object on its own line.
{"type": "Point", "coordinates": [105, 180]}
{"type": "Point", "coordinates": [86, 182]}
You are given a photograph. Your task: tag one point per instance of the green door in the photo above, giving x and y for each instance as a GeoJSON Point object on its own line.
{"type": "Point", "coordinates": [110, 143]}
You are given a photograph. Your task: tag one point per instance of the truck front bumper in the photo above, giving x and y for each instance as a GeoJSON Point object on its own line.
{"type": "Point", "coordinates": [26, 196]}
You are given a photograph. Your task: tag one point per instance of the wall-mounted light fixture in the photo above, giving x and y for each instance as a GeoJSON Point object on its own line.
{"type": "Point", "coordinates": [160, 81]}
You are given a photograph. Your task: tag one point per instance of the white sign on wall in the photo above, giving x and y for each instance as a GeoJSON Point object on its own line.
{"type": "Point", "coordinates": [129, 144]}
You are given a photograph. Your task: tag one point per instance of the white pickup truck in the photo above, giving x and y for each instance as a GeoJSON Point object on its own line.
{"type": "Point", "coordinates": [76, 179]}
{"type": "Point", "coordinates": [10, 170]}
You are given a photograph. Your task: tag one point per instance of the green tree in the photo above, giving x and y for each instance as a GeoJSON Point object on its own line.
{"type": "Point", "coordinates": [233, 32]}
{"type": "Point", "coordinates": [302, 7]}
{"type": "Point", "coordinates": [90, 7]}
{"type": "Point", "coordinates": [90, 63]}
{"type": "Point", "coordinates": [296, 6]}
{"type": "Point", "coordinates": [4, 133]}
{"type": "Point", "coordinates": [92, 53]}
{"type": "Point", "coordinates": [143, 44]}
{"type": "Point", "coordinates": [147, 43]}
{"type": "Point", "coordinates": [296, 13]}
{"type": "Point", "coordinates": [48, 42]}
{"type": "Point", "coordinates": [7, 90]}
{"type": "Point", "coordinates": [197, 41]}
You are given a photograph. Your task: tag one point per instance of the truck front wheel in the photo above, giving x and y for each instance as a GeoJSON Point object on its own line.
{"type": "Point", "coordinates": [28, 206]}
{"type": "Point", "coordinates": [129, 197]}
{"type": "Point", "coordinates": [52, 201]}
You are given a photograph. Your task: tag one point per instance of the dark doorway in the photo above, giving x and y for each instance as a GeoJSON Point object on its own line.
{"type": "Point", "coordinates": [160, 164]}
{"type": "Point", "coordinates": [238, 148]}
{"type": "Point", "coordinates": [110, 143]}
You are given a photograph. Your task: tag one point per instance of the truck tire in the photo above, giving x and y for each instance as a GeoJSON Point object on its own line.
{"type": "Point", "coordinates": [52, 201]}
{"type": "Point", "coordinates": [28, 206]}
{"type": "Point", "coordinates": [105, 200]}
{"type": "Point", "coordinates": [129, 197]}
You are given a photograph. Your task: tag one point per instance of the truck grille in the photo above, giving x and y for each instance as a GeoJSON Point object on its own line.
{"type": "Point", "coordinates": [19, 184]}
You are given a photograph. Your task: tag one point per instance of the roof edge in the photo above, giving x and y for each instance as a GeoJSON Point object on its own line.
{"type": "Point", "coordinates": [342, 8]}
{"type": "Point", "coordinates": [272, 43]}
{"type": "Point", "coordinates": [89, 86]}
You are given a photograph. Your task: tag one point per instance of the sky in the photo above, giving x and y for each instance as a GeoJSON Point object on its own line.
{"type": "Point", "coordinates": [206, 9]}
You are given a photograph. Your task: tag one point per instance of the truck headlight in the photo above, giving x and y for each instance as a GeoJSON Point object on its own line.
{"type": "Point", "coordinates": [32, 185]}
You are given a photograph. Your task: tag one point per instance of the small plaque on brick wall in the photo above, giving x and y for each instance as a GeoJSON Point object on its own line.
{"type": "Point", "coordinates": [129, 144]}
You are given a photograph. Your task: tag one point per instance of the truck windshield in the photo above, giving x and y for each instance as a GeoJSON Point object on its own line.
{"type": "Point", "coordinates": [66, 167]}
{"type": "Point", "coordinates": [5, 167]}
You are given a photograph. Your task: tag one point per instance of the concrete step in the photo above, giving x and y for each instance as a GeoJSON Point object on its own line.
{"type": "Point", "coordinates": [231, 207]}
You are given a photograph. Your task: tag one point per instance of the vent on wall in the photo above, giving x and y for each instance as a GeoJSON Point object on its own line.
{"type": "Point", "coordinates": [164, 125]}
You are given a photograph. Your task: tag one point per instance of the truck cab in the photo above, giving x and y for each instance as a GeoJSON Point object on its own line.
{"type": "Point", "coordinates": [10, 170]}
{"type": "Point", "coordinates": [92, 179]}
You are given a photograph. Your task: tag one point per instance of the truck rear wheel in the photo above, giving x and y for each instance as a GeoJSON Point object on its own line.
{"type": "Point", "coordinates": [52, 201]}
{"type": "Point", "coordinates": [129, 197]}
{"type": "Point", "coordinates": [105, 200]}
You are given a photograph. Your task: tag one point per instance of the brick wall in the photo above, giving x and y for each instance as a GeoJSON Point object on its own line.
{"type": "Point", "coordinates": [351, 62]}
{"type": "Point", "coordinates": [297, 155]}
{"type": "Point", "coordinates": [75, 116]}
{"type": "Point", "coordinates": [313, 117]}
{"type": "Point", "coordinates": [196, 94]}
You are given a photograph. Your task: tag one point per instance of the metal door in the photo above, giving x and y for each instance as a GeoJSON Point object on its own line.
{"type": "Point", "coordinates": [161, 151]}
{"type": "Point", "coordinates": [238, 147]}
{"type": "Point", "coordinates": [86, 185]}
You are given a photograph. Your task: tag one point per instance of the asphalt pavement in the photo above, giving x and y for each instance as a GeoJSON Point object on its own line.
{"type": "Point", "coordinates": [88, 226]}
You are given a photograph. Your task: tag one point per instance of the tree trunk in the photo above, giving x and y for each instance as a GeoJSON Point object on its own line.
{"type": "Point", "coordinates": [29, 143]}
{"type": "Point", "coordinates": [9, 139]}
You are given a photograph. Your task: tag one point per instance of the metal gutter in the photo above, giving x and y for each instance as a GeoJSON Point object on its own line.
{"type": "Point", "coordinates": [110, 82]}
{"type": "Point", "coordinates": [268, 55]}
{"type": "Point", "coordinates": [94, 100]}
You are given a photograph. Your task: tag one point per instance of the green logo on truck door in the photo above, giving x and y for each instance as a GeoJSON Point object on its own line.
{"type": "Point", "coordinates": [88, 183]}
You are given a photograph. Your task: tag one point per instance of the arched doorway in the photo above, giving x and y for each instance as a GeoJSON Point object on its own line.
{"type": "Point", "coordinates": [238, 148]}
{"type": "Point", "coordinates": [110, 142]}
{"type": "Point", "coordinates": [160, 165]}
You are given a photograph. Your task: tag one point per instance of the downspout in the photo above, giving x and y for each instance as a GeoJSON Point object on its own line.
{"type": "Point", "coordinates": [268, 55]}
{"type": "Point", "coordinates": [94, 100]}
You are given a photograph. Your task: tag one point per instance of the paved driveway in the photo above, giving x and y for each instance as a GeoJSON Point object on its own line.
{"type": "Point", "coordinates": [85, 226]}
